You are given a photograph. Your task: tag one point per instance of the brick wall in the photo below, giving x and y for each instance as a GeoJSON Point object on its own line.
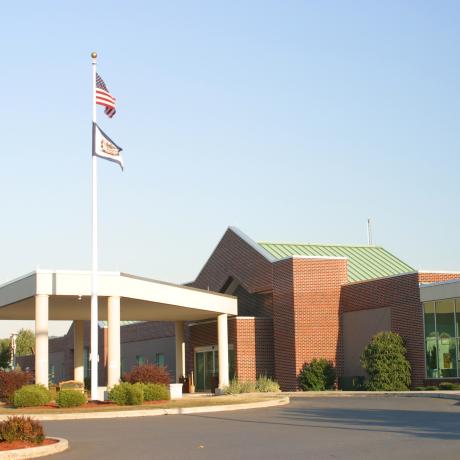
{"type": "Point", "coordinates": [306, 314]}
{"type": "Point", "coordinates": [284, 324]}
{"type": "Point", "coordinates": [437, 277]}
{"type": "Point", "coordinates": [401, 294]}
{"type": "Point", "coordinates": [252, 339]}
{"type": "Point", "coordinates": [235, 258]}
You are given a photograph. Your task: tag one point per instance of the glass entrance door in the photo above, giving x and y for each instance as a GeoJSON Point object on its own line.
{"type": "Point", "coordinates": [205, 369]}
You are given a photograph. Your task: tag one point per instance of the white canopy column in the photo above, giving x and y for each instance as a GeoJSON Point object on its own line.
{"type": "Point", "coordinates": [114, 356]}
{"type": "Point", "coordinates": [180, 350]}
{"type": "Point", "coordinates": [78, 365]}
{"type": "Point", "coordinates": [41, 339]}
{"type": "Point", "coordinates": [222, 340]}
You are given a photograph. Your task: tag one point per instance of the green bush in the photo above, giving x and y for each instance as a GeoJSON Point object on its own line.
{"type": "Point", "coordinates": [70, 398]}
{"type": "Point", "coordinates": [31, 395]}
{"type": "Point", "coordinates": [449, 386]}
{"type": "Point", "coordinates": [385, 360]}
{"type": "Point", "coordinates": [155, 392]}
{"type": "Point", "coordinates": [265, 384]}
{"type": "Point", "coordinates": [318, 375]}
{"type": "Point", "coordinates": [21, 429]}
{"type": "Point", "coordinates": [431, 388]}
{"type": "Point", "coordinates": [127, 394]}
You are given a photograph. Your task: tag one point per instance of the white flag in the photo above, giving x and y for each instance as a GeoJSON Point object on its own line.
{"type": "Point", "coordinates": [104, 147]}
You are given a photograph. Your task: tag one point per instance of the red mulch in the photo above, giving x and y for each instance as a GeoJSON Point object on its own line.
{"type": "Point", "coordinates": [23, 444]}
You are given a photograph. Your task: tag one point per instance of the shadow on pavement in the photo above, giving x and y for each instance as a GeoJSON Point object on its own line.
{"type": "Point", "coordinates": [423, 424]}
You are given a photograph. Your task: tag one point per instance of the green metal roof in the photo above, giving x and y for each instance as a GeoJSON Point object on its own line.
{"type": "Point", "coordinates": [364, 262]}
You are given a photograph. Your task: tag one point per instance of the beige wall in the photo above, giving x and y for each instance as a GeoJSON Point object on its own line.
{"type": "Point", "coordinates": [358, 328]}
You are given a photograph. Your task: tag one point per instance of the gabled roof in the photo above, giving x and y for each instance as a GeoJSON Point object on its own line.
{"type": "Point", "coordinates": [364, 262]}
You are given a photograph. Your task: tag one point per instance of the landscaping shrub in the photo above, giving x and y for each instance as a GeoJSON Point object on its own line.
{"type": "Point", "coordinates": [385, 360]}
{"type": "Point", "coordinates": [265, 384]}
{"type": "Point", "coordinates": [155, 392]}
{"type": "Point", "coordinates": [449, 386]}
{"type": "Point", "coordinates": [136, 394]}
{"type": "Point", "coordinates": [70, 398]}
{"type": "Point", "coordinates": [431, 388]}
{"type": "Point", "coordinates": [31, 395]}
{"type": "Point", "coordinates": [148, 373]}
{"type": "Point", "coordinates": [318, 375]}
{"type": "Point", "coordinates": [21, 429]}
{"type": "Point", "coordinates": [10, 381]}
{"type": "Point", "coordinates": [240, 386]}
{"type": "Point", "coordinates": [126, 393]}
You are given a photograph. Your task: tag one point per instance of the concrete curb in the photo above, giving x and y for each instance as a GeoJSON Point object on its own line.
{"type": "Point", "coordinates": [154, 412]}
{"type": "Point", "coordinates": [455, 395]}
{"type": "Point", "coordinates": [34, 452]}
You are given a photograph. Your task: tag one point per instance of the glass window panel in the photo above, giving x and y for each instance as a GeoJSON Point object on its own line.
{"type": "Point", "coordinates": [428, 309]}
{"type": "Point", "coordinates": [457, 314]}
{"type": "Point", "coordinates": [199, 371]}
{"type": "Point", "coordinates": [445, 319]}
{"type": "Point", "coordinates": [447, 357]}
{"type": "Point", "coordinates": [231, 363]}
{"type": "Point", "coordinates": [431, 358]}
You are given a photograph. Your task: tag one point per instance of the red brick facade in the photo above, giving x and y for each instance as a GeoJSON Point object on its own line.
{"type": "Point", "coordinates": [437, 277]}
{"type": "Point", "coordinates": [401, 294]}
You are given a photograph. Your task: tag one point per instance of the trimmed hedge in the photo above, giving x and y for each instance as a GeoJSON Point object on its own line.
{"type": "Point", "coordinates": [21, 429]}
{"type": "Point", "coordinates": [70, 398]}
{"type": "Point", "coordinates": [319, 375]}
{"type": "Point", "coordinates": [155, 392]}
{"type": "Point", "coordinates": [127, 394]}
{"type": "Point", "coordinates": [31, 395]}
{"type": "Point", "coordinates": [10, 381]}
{"type": "Point", "coordinates": [384, 359]}
{"type": "Point", "coordinates": [148, 373]}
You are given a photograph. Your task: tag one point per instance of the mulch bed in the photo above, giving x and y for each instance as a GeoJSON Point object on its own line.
{"type": "Point", "coordinates": [24, 444]}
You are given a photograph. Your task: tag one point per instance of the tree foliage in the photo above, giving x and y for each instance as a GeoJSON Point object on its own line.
{"type": "Point", "coordinates": [4, 353]}
{"type": "Point", "coordinates": [384, 359]}
{"type": "Point", "coordinates": [25, 343]}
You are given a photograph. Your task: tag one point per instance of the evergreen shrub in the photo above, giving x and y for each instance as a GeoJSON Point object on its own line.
{"type": "Point", "coordinates": [31, 395]}
{"type": "Point", "coordinates": [70, 398]}
{"type": "Point", "coordinates": [155, 392]}
{"type": "Point", "coordinates": [384, 359]}
{"type": "Point", "coordinates": [319, 375]}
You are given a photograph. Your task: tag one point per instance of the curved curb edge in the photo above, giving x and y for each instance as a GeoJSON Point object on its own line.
{"type": "Point", "coordinates": [154, 412]}
{"type": "Point", "coordinates": [34, 452]}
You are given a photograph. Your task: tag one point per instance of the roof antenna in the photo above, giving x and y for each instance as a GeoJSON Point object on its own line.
{"type": "Point", "coordinates": [369, 232]}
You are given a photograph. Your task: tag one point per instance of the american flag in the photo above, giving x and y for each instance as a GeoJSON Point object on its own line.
{"type": "Point", "coordinates": [103, 97]}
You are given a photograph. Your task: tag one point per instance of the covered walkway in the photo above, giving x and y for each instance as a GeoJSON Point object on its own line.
{"type": "Point", "coordinates": [45, 295]}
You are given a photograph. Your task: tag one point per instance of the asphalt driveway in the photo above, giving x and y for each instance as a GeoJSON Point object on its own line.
{"type": "Point", "coordinates": [308, 428]}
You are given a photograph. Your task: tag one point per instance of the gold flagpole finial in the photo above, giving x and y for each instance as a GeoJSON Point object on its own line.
{"type": "Point", "coordinates": [94, 55]}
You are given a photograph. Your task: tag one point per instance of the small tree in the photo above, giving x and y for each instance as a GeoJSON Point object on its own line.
{"type": "Point", "coordinates": [4, 353]}
{"type": "Point", "coordinates": [25, 343]}
{"type": "Point", "coordinates": [319, 375]}
{"type": "Point", "coordinates": [384, 359]}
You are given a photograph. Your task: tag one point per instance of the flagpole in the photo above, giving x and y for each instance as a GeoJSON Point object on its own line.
{"type": "Point", "coordinates": [94, 264]}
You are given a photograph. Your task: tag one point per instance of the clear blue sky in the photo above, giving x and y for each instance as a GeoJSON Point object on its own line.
{"type": "Point", "coordinates": [295, 121]}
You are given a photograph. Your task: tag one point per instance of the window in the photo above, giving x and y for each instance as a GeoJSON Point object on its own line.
{"type": "Point", "coordinates": [139, 360]}
{"type": "Point", "coordinates": [160, 359]}
{"type": "Point", "coordinates": [442, 342]}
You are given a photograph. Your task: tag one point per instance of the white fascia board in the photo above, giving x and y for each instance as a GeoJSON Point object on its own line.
{"type": "Point", "coordinates": [298, 256]}
{"type": "Point", "coordinates": [446, 272]}
{"type": "Point", "coordinates": [263, 252]}
{"type": "Point", "coordinates": [440, 291]}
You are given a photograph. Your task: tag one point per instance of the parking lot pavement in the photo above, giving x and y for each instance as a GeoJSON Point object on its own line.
{"type": "Point", "coordinates": [308, 428]}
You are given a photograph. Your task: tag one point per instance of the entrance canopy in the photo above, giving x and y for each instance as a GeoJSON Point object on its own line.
{"type": "Point", "coordinates": [141, 299]}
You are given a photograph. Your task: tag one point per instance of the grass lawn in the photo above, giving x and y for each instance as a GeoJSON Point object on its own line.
{"type": "Point", "coordinates": [196, 401]}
